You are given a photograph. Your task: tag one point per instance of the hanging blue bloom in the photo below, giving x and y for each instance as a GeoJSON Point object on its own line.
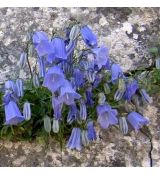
{"type": "Point", "coordinates": [67, 94]}
{"type": "Point", "coordinates": [131, 88]}
{"type": "Point", "coordinates": [75, 139]}
{"type": "Point", "coordinates": [42, 67]}
{"type": "Point", "coordinates": [106, 116]}
{"type": "Point", "coordinates": [89, 38]}
{"type": "Point", "coordinates": [10, 86]}
{"type": "Point", "coordinates": [59, 48]}
{"type": "Point", "coordinates": [72, 114]}
{"type": "Point", "coordinates": [57, 107]}
{"type": "Point", "coordinates": [101, 56]}
{"type": "Point", "coordinates": [38, 37]}
{"type": "Point", "coordinates": [89, 95]}
{"type": "Point", "coordinates": [78, 78]}
{"type": "Point", "coordinates": [54, 79]}
{"type": "Point", "coordinates": [13, 115]}
{"type": "Point", "coordinates": [116, 73]}
{"type": "Point", "coordinates": [137, 120]}
{"type": "Point", "coordinates": [91, 131]}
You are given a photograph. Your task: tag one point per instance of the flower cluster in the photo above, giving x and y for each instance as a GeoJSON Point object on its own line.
{"type": "Point", "coordinates": [80, 81]}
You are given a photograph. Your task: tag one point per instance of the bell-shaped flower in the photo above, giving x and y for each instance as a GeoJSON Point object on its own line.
{"type": "Point", "coordinates": [27, 111]}
{"type": "Point", "coordinates": [68, 94]}
{"type": "Point", "coordinates": [19, 88]}
{"type": "Point", "coordinates": [116, 73]}
{"type": "Point", "coordinates": [73, 113]}
{"type": "Point", "coordinates": [88, 36]}
{"type": "Point", "coordinates": [57, 108]}
{"type": "Point", "coordinates": [39, 37]}
{"type": "Point", "coordinates": [91, 131]}
{"type": "Point", "coordinates": [59, 48]}
{"type": "Point", "coordinates": [137, 120]}
{"type": "Point", "coordinates": [106, 116]}
{"type": "Point", "coordinates": [75, 139]}
{"type": "Point", "coordinates": [101, 56]}
{"type": "Point", "coordinates": [13, 115]}
{"type": "Point", "coordinates": [53, 79]}
{"type": "Point", "coordinates": [10, 86]}
{"type": "Point", "coordinates": [131, 88]}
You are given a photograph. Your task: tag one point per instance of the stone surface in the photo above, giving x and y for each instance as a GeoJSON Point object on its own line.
{"type": "Point", "coordinates": [127, 32]}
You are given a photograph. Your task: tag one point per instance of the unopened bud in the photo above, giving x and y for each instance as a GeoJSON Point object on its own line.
{"type": "Point", "coordinates": [123, 125]}
{"type": "Point", "coordinates": [55, 126]}
{"type": "Point", "coordinates": [74, 32]}
{"type": "Point", "coordinates": [47, 124]}
{"type": "Point", "coordinates": [27, 110]}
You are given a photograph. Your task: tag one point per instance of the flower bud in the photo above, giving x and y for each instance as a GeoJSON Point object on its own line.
{"type": "Point", "coordinates": [118, 95]}
{"type": "Point", "coordinates": [83, 110]}
{"type": "Point", "coordinates": [19, 87]}
{"type": "Point", "coordinates": [55, 126]}
{"type": "Point", "coordinates": [107, 89]}
{"type": "Point", "coordinates": [91, 76]}
{"type": "Point", "coordinates": [74, 32]}
{"type": "Point", "coordinates": [123, 125]}
{"type": "Point", "coordinates": [27, 111]}
{"type": "Point", "coordinates": [84, 138]}
{"type": "Point", "coordinates": [22, 61]}
{"type": "Point", "coordinates": [146, 98]}
{"type": "Point", "coordinates": [101, 98]}
{"type": "Point", "coordinates": [47, 124]}
{"type": "Point", "coordinates": [121, 85]}
{"type": "Point", "coordinates": [35, 81]}
{"type": "Point", "coordinates": [158, 63]}
{"type": "Point", "coordinates": [30, 50]}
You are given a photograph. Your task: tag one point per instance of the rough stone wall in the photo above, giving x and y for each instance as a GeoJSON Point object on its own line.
{"type": "Point", "coordinates": [127, 32]}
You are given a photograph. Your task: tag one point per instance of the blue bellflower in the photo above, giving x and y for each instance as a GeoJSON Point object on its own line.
{"type": "Point", "coordinates": [131, 89]}
{"type": "Point", "coordinates": [89, 94]}
{"type": "Point", "coordinates": [13, 115]}
{"type": "Point", "coordinates": [75, 139]}
{"type": "Point", "coordinates": [88, 36]}
{"type": "Point", "coordinates": [136, 120]}
{"type": "Point", "coordinates": [106, 116]}
{"type": "Point", "coordinates": [91, 131]}
{"type": "Point", "coordinates": [72, 114]}
{"type": "Point", "coordinates": [116, 73]}
{"type": "Point", "coordinates": [68, 94]}
{"type": "Point", "coordinates": [101, 56]}
{"type": "Point", "coordinates": [78, 78]}
{"type": "Point", "coordinates": [54, 79]}
{"type": "Point", "coordinates": [39, 37]}
{"type": "Point", "coordinates": [57, 108]}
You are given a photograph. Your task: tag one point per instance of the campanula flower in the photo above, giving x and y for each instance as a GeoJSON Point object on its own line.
{"type": "Point", "coordinates": [91, 131]}
{"type": "Point", "coordinates": [106, 116]}
{"type": "Point", "coordinates": [116, 73]}
{"type": "Point", "coordinates": [27, 111]}
{"type": "Point", "coordinates": [68, 94]}
{"type": "Point", "coordinates": [57, 108]}
{"type": "Point", "coordinates": [136, 120]}
{"type": "Point", "coordinates": [59, 48]}
{"type": "Point", "coordinates": [145, 96]}
{"type": "Point", "coordinates": [22, 61]}
{"type": "Point", "coordinates": [13, 115]}
{"type": "Point", "coordinates": [72, 114]}
{"type": "Point", "coordinates": [83, 110]}
{"type": "Point", "coordinates": [101, 56]}
{"type": "Point", "coordinates": [39, 37]}
{"type": "Point", "coordinates": [75, 139]}
{"type": "Point", "coordinates": [88, 36]}
{"type": "Point", "coordinates": [54, 78]}
{"type": "Point", "coordinates": [131, 88]}
{"type": "Point", "coordinates": [10, 86]}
